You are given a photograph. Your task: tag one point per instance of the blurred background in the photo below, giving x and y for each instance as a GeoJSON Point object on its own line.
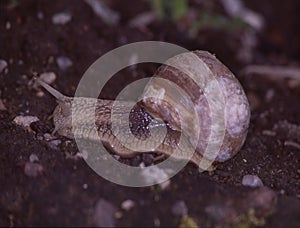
{"type": "Point", "coordinates": [44, 181]}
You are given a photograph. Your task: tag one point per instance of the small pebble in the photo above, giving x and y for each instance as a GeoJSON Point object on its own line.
{"type": "Point", "coordinates": [3, 65]}
{"type": "Point", "coordinates": [268, 133]}
{"type": "Point", "coordinates": [118, 215]}
{"type": "Point", "coordinates": [54, 144]}
{"type": "Point", "coordinates": [84, 186]}
{"type": "Point", "coordinates": [2, 106]}
{"type": "Point", "coordinates": [33, 169]}
{"type": "Point", "coordinates": [40, 15]}
{"type": "Point", "coordinates": [33, 158]}
{"type": "Point", "coordinates": [154, 175]}
{"type": "Point", "coordinates": [104, 214]}
{"type": "Point", "coordinates": [64, 62]}
{"type": "Point", "coordinates": [142, 165]}
{"type": "Point", "coordinates": [24, 77]}
{"type": "Point", "coordinates": [117, 157]}
{"type": "Point", "coordinates": [127, 205]}
{"type": "Point", "coordinates": [61, 18]}
{"type": "Point", "coordinates": [8, 25]}
{"type": "Point", "coordinates": [180, 208]}
{"type": "Point", "coordinates": [39, 137]}
{"type": "Point", "coordinates": [269, 95]}
{"type": "Point", "coordinates": [40, 94]}
{"type": "Point", "coordinates": [48, 136]}
{"type": "Point", "coordinates": [165, 184]}
{"type": "Point", "coordinates": [252, 181]}
{"type": "Point", "coordinates": [25, 121]}
{"type": "Point", "coordinates": [48, 77]}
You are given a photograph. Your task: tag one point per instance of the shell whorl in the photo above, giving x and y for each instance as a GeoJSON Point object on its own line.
{"type": "Point", "coordinates": [198, 74]}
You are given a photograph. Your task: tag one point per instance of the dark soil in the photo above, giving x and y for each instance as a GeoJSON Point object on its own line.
{"type": "Point", "coordinates": [66, 190]}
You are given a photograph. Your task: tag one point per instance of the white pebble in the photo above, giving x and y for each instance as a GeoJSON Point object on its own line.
{"type": "Point", "coordinates": [268, 133]}
{"type": "Point", "coordinates": [269, 95]}
{"type": "Point", "coordinates": [127, 205]}
{"type": "Point", "coordinates": [54, 144]}
{"type": "Point", "coordinates": [25, 121]}
{"type": "Point", "coordinates": [8, 25]}
{"type": "Point", "coordinates": [61, 18]}
{"type": "Point", "coordinates": [40, 94]}
{"type": "Point", "coordinates": [85, 186]}
{"type": "Point", "coordinates": [64, 62]}
{"type": "Point", "coordinates": [49, 137]}
{"type": "Point", "coordinates": [117, 157]}
{"type": "Point", "coordinates": [33, 158]}
{"type": "Point", "coordinates": [155, 175]}
{"type": "Point", "coordinates": [3, 65]}
{"type": "Point", "coordinates": [252, 181]}
{"type": "Point", "coordinates": [38, 137]}
{"type": "Point", "coordinates": [48, 77]}
{"type": "Point", "coordinates": [40, 15]}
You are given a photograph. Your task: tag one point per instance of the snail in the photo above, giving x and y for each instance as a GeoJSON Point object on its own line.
{"type": "Point", "coordinates": [164, 111]}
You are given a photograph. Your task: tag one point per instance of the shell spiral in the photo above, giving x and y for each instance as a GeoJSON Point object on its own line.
{"type": "Point", "coordinates": [210, 97]}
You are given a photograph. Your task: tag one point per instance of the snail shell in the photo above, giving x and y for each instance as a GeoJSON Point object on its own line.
{"type": "Point", "coordinates": [163, 106]}
{"type": "Point", "coordinates": [193, 72]}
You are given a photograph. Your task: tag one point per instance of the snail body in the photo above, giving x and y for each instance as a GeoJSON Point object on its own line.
{"type": "Point", "coordinates": [141, 120]}
{"type": "Point", "coordinates": [164, 111]}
